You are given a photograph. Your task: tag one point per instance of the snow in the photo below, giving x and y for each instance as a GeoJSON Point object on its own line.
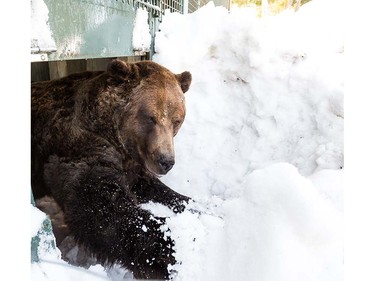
{"type": "Point", "coordinates": [251, 87]}
{"type": "Point", "coordinates": [279, 227]}
{"type": "Point", "coordinates": [141, 32]}
{"type": "Point", "coordinates": [37, 218]}
{"type": "Point", "coordinates": [261, 148]}
{"type": "Point", "coordinates": [40, 29]}
{"type": "Point", "coordinates": [59, 270]}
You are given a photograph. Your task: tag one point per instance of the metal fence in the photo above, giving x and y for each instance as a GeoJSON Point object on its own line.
{"type": "Point", "coordinates": [173, 6]}
{"type": "Point", "coordinates": [158, 7]}
{"type": "Point", "coordinates": [196, 4]}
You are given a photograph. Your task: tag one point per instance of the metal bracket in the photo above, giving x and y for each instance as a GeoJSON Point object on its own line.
{"type": "Point", "coordinates": [40, 54]}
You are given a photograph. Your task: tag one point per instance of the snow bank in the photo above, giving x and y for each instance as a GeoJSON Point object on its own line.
{"type": "Point", "coordinates": [279, 228]}
{"type": "Point", "coordinates": [261, 149]}
{"type": "Point", "coordinates": [260, 94]}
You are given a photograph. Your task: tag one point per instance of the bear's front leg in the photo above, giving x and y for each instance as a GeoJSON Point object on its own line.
{"type": "Point", "coordinates": [102, 217]}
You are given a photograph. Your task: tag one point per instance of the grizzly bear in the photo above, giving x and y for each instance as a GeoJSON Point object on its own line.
{"type": "Point", "coordinates": [100, 141]}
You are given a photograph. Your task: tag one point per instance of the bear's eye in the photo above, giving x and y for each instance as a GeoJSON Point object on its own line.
{"type": "Point", "coordinates": [152, 120]}
{"type": "Point", "coordinates": [176, 123]}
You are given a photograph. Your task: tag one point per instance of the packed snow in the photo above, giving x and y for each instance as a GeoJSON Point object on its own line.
{"type": "Point", "coordinates": [261, 148]}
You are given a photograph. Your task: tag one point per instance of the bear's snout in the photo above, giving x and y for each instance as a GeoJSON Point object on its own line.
{"type": "Point", "coordinates": [165, 162]}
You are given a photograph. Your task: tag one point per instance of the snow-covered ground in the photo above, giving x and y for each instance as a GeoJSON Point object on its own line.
{"type": "Point", "coordinates": [261, 149]}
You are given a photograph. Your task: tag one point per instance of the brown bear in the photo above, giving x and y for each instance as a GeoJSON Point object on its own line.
{"type": "Point", "coordinates": [100, 141]}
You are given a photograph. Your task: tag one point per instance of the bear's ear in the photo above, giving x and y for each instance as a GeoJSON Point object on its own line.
{"type": "Point", "coordinates": [120, 69]}
{"type": "Point", "coordinates": [185, 80]}
{"type": "Point", "coordinates": [117, 67]}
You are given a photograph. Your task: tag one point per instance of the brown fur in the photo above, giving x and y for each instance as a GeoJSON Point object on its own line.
{"type": "Point", "coordinates": [99, 142]}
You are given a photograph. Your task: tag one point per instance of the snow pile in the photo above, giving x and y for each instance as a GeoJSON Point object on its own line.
{"type": "Point", "coordinates": [261, 148]}
{"type": "Point", "coordinates": [279, 228]}
{"type": "Point", "coordinates": [257, 97]}
{"type": "Point", "coordinates": [141, 32]}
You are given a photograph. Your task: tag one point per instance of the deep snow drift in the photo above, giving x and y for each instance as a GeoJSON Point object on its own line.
{"type": "Point", "coordinates": [261, 149]}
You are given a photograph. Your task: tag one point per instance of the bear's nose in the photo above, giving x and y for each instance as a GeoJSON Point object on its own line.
{"type": "Point", "coordinates": [166, 162]}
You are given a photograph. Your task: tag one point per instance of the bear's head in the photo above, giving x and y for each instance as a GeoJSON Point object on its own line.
{"type": "Point", "coordinates": [153, 112]}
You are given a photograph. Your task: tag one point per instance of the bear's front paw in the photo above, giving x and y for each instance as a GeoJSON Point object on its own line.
{"type": "Point", "coordinates": [178, 209]}
{"type": "Point", "coordinates": [178, 205]}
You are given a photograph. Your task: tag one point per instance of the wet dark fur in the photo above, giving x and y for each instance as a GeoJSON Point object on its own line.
{"type": "Point", "coordinates": [79, 160]}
